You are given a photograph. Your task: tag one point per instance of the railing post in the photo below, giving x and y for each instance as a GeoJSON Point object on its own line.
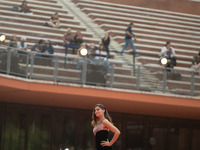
{"type": "Point", "coordinates": [8, 62]}
{"type": "Point", "coordinates": [112, 75]}
{"type": "Point", "coordinates": [55, 69]}
{"type": "Point", "coordinates": [192, 84]}
{"type": "Point", "coordinates": [32, 63]}
{"type": "Point", "coordinates": [27, 64]}
{"type": "Point", "coordinates": [133, 64]}
{"type": "Point", "coordinates": [84, 71]}
{"type": "Point", "coordinates": [138, 78]}
{"type": "Point", "coordinates": [164, 80]}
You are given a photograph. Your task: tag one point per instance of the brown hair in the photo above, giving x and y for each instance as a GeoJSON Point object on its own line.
{"type": "Point", "coordinates": [95, 118]}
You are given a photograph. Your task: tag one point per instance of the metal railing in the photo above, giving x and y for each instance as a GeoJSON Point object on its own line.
{"type": "Point", "coordinates": [78, 70]}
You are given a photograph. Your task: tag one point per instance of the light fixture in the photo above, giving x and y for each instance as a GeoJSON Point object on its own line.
{"type": "Point", "coordinates": [83, 51]}
{"type": "Point", "coordinates": [2, 37]}
{"type": "Point", "coordinates": [163, 61]}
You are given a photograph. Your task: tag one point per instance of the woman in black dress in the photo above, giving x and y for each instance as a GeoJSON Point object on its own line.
{"type": "Point", "coordinates": [102, 124]}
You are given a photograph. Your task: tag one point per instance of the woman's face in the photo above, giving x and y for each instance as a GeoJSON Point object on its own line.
{"type": "Point", "coordinates": [98, 111]}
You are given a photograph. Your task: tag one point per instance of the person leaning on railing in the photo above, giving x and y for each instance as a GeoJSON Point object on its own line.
{"type": "Point", "coordinates": [13, 43]}
{"type": "Point", "coordinates": [102, 56]}
{"type": "Point", "coordinates": [196, 63]}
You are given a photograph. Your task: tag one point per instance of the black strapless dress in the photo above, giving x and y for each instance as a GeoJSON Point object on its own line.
{"type": "Point", "coordinates": [102, 135]}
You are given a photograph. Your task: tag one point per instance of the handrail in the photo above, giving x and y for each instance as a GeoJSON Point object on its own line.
{"type": "Point", "coordinates": [79, 70]}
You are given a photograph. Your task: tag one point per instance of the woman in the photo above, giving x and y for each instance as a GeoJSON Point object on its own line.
{"type": "Point", "coordinates": [106, 43]}
{"type": "Point", "coordinates": [102, 124]}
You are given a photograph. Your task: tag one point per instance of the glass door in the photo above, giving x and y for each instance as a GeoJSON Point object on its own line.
{"type": "Point", "coordinates": [158, 134]}
{"type": "Point", "coordinates": [135, 131]}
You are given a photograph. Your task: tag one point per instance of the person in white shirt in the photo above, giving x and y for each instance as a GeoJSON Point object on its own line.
{"type": "Point", "coordinates": [22, 44]}
{"type": "Point", "coordinates": [101, 55]}
{"type": "Point", "coordinates": [169, 52]}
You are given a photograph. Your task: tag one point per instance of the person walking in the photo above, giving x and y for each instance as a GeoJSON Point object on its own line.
{"type": "Point", "coordinates": [128, 39]}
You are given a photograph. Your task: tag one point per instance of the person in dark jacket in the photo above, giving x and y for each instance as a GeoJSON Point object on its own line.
{"type": "Point", "coordinates": [106, 43]}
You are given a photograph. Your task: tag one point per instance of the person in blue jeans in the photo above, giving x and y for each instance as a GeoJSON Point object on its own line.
{"type": "Point", "coordinates": [128, 39]}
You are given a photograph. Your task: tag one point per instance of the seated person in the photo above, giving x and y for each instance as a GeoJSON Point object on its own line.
{"type": "Point", "coordinates": [102, 55]}
{"type": "Point", "coordinates": [54, 21]}
{"type": "Point", "coordinates": [22, 8]}
{"type": "Point", "coordinates": [80, 59]}
{"type": "Point", "coordinates": [196, 63]}
{"type": "Point", "coordinates": [68, 40]}
{"type": "Point", "coordinates": [78, 39]}
{"type": "Point", "coordinates": [92, 50]}
{"type": "Point", "coordinates": [39, 47]}
{"type": "Point", "coordinates": [168, 52]}
{"type": "Point", "coordinates": [21, 45]}
{"type": "Point", "coordinates": [48, 48]}
{"type": "Point", "coordinates": [13, 42]}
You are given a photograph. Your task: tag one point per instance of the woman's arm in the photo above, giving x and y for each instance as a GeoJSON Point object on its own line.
{"type": "Point", "coordinates": [112, 128]}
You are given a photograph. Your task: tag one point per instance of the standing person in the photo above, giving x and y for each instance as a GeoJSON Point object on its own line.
{"type": "Point", "coordinates": [102, 123]}
{"type": "Point", "coordinates": [128, 39]}
{"type": "Point", "coordinates": [196, 63]}
{"type": "Point", "coordinates": [106, 43]}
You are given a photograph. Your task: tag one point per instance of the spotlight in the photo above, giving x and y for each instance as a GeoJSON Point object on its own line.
{"type": "Point", "coordinates": [2, 37]}
{"type": "Point", "coordinates": [163, 61]}
{"type": "Point", "coordinates": [83, 51]}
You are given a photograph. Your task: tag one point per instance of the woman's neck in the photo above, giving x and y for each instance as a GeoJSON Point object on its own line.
{"type": "Point", "coordinates": [101, 118]}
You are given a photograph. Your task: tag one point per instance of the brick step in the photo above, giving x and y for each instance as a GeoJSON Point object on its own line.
{"type": "Point", "coordinates": [40, 3]}
{"type": "Point", "coordinates": [120, 32]}
{"type": "Point", "coordinates": [29, 16]}
{"type": "Point", "coordinates": [132, 11]}
{"type": "Point", "coordinates": [48, 1]}
{"type": "Point", "coordinates": [36, 7]}
{"type": "Point", "coordinates": [157, 49]}
{"type": "Point", "coordinates": [35, 37]}
{"type": "Point", "coordinates": [163, 38]}
{"type": "Point", "coordinates": [139, 17]}
{"type": "Point", "coordinates": [38, 29]}
{"type": "Point", "coordinates": [121, 26]}
{"type": "Point", "coordinates": [115, 18]}
{"type": "Point", "coordinates": [158, 36]}
{"type": "Point", "coordinates": [38, 22]}
{"type": "Point", "coordinates": [44, 68]}
{"type": "Point", "coordinates": [160, 44]}
{"type": "Point", "coordinates": [180, 85]}
{"type": "Point", "coordinates": [142, 9]}
{"type": "Point", "coordinates": [43, 16]}
{"type": "Point", "coordinates": [151, 60]}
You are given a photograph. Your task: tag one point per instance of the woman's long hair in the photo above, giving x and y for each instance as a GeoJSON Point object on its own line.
{"type": "Point", "coordinates": [95, 118]}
